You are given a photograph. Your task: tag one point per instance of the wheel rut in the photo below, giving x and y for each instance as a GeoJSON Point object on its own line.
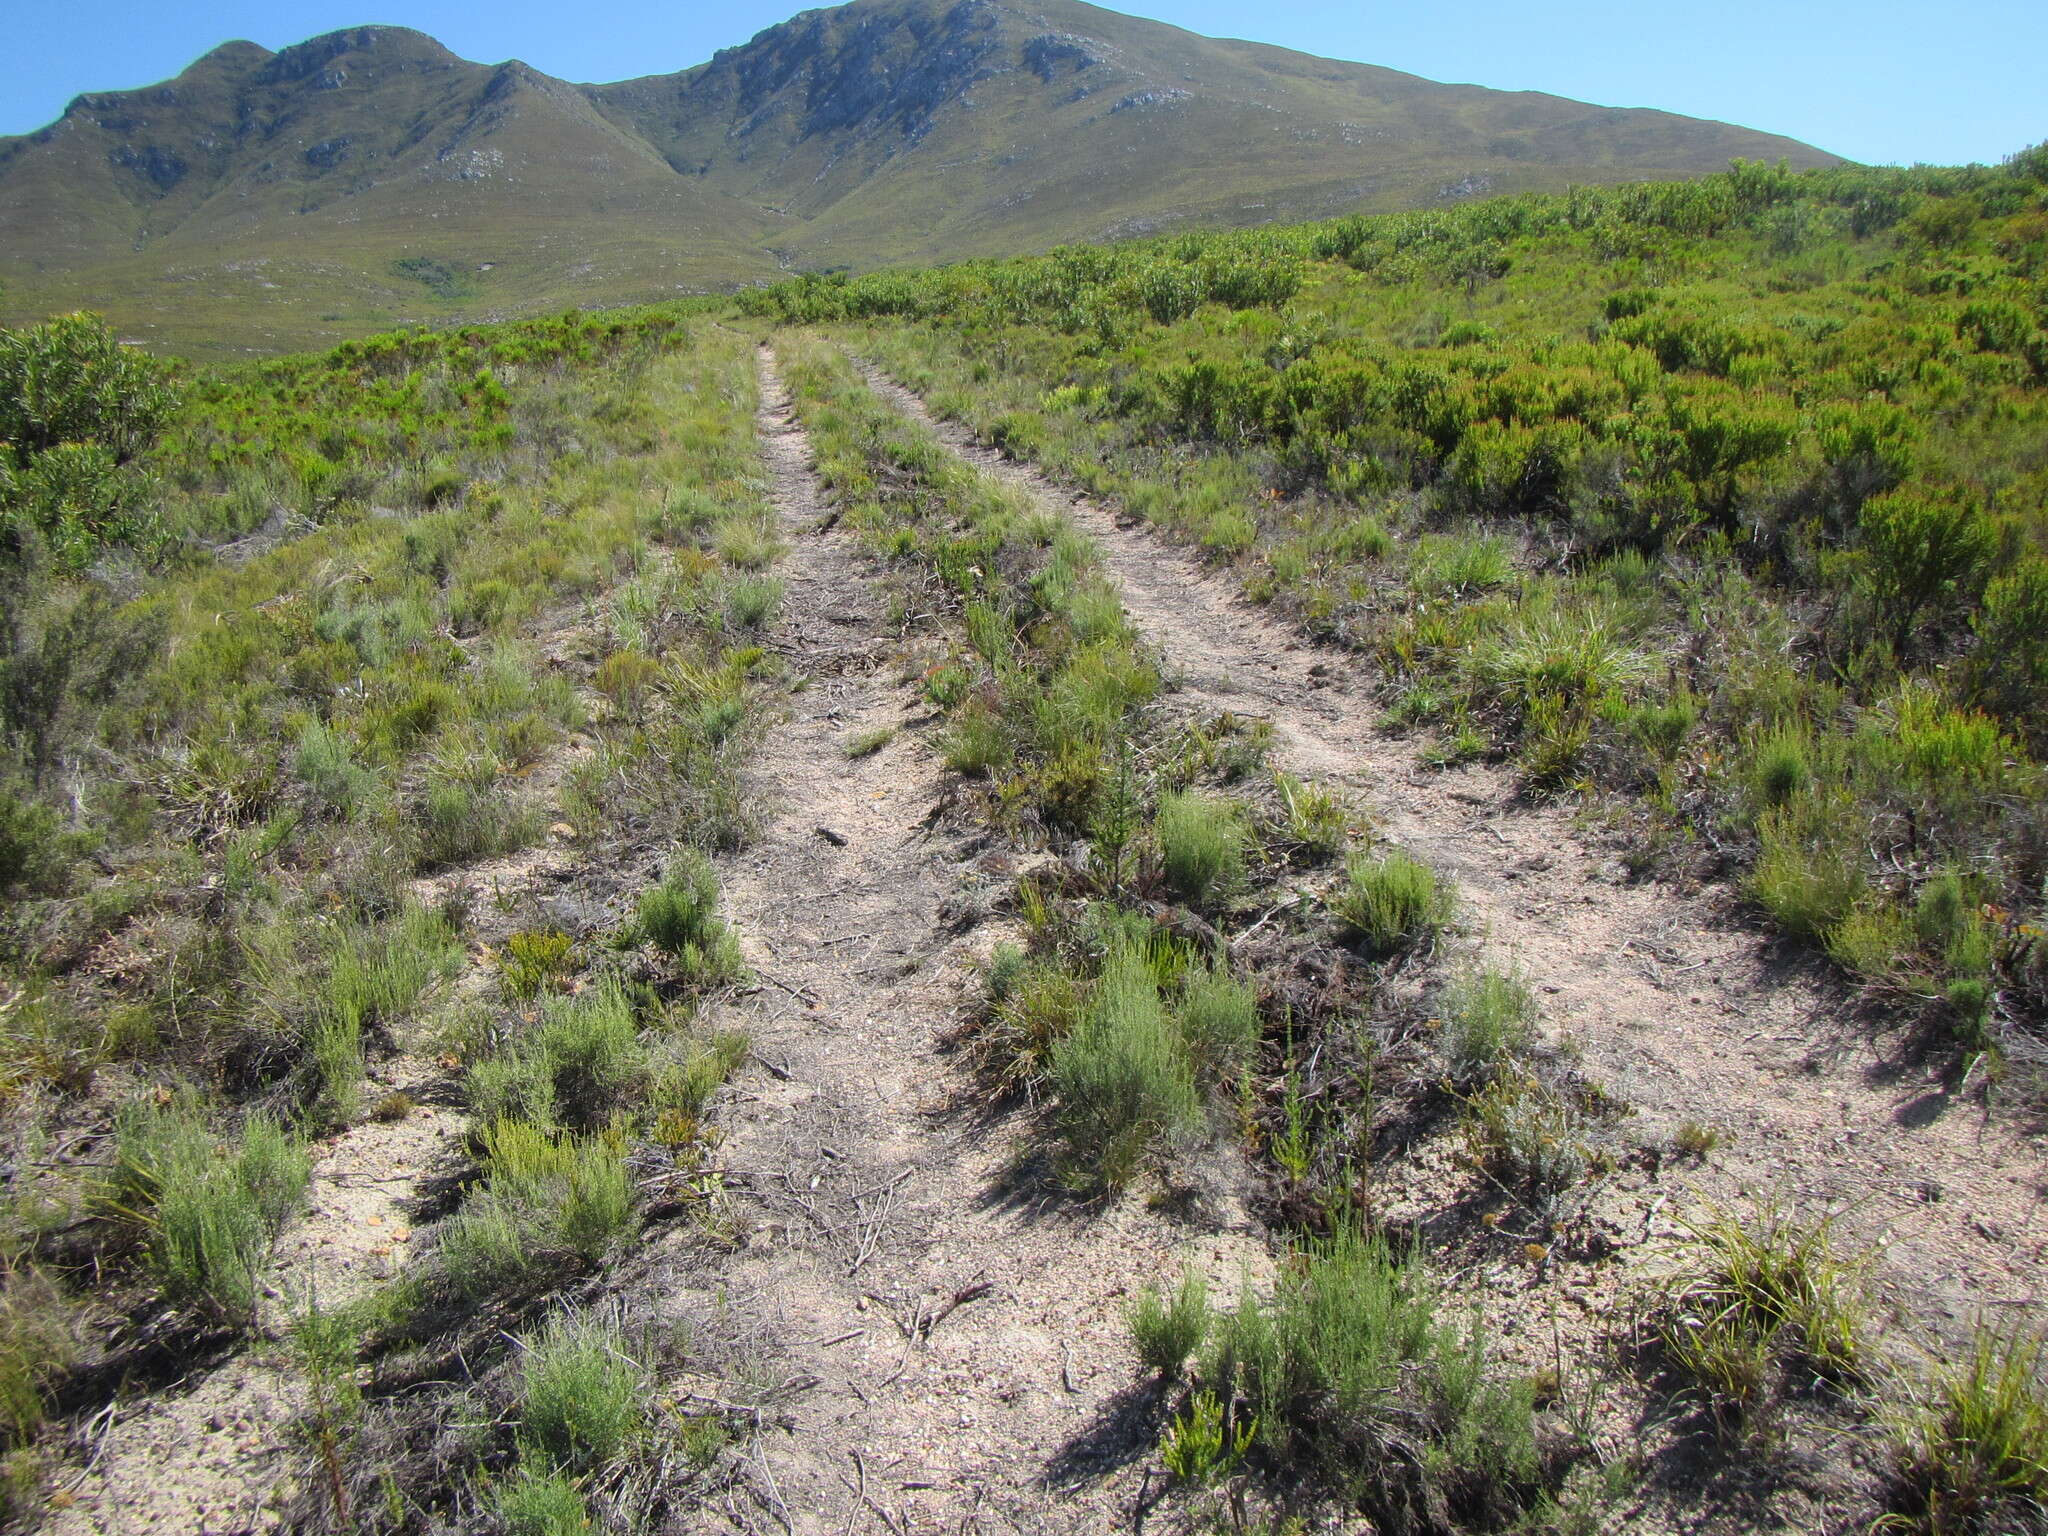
{"type": "Point", "coordinates": [1676, 1005]}
{"type": "Point", "coordinates": [956, 1340]}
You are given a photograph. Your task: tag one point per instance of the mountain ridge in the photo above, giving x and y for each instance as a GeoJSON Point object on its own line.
{"type": "Point", "coordinates": [298, 194]}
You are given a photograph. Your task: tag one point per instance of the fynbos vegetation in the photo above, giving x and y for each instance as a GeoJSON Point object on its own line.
{"type": "Point", "coordinates": [382, 769]}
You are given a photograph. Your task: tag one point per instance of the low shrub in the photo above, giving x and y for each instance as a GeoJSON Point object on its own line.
{"type": "Point", "coordinates": [536, 961]}
{"type": "Point", "coordinates": [211, 1216]}
{"type": "Point", "coordinates": [1124, 1084]}
{"type": "Point", "coordinates": [1168, 1326]}
{"type": "Point", "coordinates": [581, 1063]}
{"type": "Point", "coordinates": [1201, 845]}
{"type": "Point", "coordinates": [543, 1504]}
{"type": "Point", "coordinates": [1808, 874]}
{"type": "Point", "coordinates": [680, 918]}
{"type": "Point", "coordinates": [581, 1393]}
{"type": "Point", "coordinates": [1219, 1020]}
{"type": "Point", "coordinates": [544, 1199]}
{"type": "Point", "coordinates": [1489, 1017]}
{"type": "Point", "coordinates": [1392, 903]}
{"type": "Point", "coordinates": [38, 1341]}
{"type": "Point", "coordinates": [1352, 1371]}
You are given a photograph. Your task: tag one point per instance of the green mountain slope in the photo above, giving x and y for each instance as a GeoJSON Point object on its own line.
{"type": "Point", "coordinates": [369, 176]}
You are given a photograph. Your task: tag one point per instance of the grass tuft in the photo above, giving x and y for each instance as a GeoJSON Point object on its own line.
{"type": "Point", "coordinates": [1972, 1452]}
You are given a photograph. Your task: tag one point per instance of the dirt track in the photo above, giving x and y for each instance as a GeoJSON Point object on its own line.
{"type": "Point", "coordinates": [972, 1362]}
{"type": "Point", "coordinates": [1687, 1013]}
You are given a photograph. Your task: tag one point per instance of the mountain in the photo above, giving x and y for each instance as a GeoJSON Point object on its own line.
{"type": "Point", "coordinates": [370, 176]}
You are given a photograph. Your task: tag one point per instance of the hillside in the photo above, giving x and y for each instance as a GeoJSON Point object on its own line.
{"type": "Point", "coordinates": [261, 201]}
{"type": "Point", "coordinates": [1383, 874]}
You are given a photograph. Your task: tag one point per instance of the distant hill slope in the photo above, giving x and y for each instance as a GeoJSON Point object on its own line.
{"type": "Point", "coordinates": [267, 200]}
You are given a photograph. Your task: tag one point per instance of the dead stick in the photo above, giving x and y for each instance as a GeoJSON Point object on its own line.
{"type": "Point", "coordinates": [960, 1298]}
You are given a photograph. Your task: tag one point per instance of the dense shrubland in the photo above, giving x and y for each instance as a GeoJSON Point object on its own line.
{"type": "Point", "coordinates": [1724, 494]}
{"type": "Point", "coordinates": [1723, 501]}
{"type": "Point", "coordinates": [1719, 501]}
{"type": "Point", "coordinates": [290, 650]}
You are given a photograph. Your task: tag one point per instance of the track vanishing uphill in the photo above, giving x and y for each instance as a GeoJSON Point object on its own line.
{"type": "Point", "coordinates": [971, 1364]}
{"type": "Point", "coordinates": [1687, 1015]}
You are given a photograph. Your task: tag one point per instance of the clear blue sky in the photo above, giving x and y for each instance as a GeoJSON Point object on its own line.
{"type": "Point", "coordinates": [1879, 81]}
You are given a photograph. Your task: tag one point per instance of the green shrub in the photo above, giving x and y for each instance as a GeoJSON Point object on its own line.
{"type": "Point", "coordinates": [680, 918]}
{"type": "Point", "coordinates": [1872, 940]}
{"type": "Point", "coordinates": [625, 677]}
{"type": "Point", "coordinates": [584, 1061]}
{"type": "Point", "coordinates": [536, 961]}
{"type": "Point", "coordinates": [867, 743]}
{"type": "Point", "coordinates": [38, 1342]}
{"type": "Point", "coordinates": [1219, 1020]}
{"type": "Point", "coordinates": [1489, 1017]}
{"type": "Point", "coordinates": [1124, 1084]}
{"type": "Point", "coordinates": [1351, 1364]}
{"type": "Point", "coordinates": [1201, 844]}
{"type": "Point", "coordinates": [2009, 670]}
{"type": "Point", "coordinates": [69, 381]}
{"type": "Point", "coordinates": [1392, 903]}
{"type": "Point", "coordinates": [1947, 922]}
{"type": "Point", "coordinates": [691, 1075]}
{"type": "Point", "coordinates": [975, 743]}
{"type": "Point", "coordinates": [544, 1197]}
{"type": "Point", "coordinates": [543, 1504]}
{"type": "Point", "coordinates": [1552, 651]}
{"type": "Point", "coordinates": [33, 848]}
{"type": "Point", "coordinates": [1199, 1445]}
{"type": "Point", "coordinates": [1921, 551]}
{"type": "Point", "coordinates": [581, 1393]}
{"type": "Point", "coordinates": [1169, 1326]}
{"type": "Point", "coordinates": [337, 784]}
{"type": "Point", "coordinates": [751, 601]}
{"type": "Point", "coordinates": [369, 976]}
{"type": "Point", "coordinates": [212, 1216]}
{"type": "Point", "coordinates": [1808, 874]}
{"type": "Point", "coordinates": [76, 408]}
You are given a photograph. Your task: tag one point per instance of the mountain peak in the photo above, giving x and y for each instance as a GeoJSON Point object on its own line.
{"type": "Point", "coordinates": [333, 54]}
{"type": "Point", "coordinates": [239, 53]}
